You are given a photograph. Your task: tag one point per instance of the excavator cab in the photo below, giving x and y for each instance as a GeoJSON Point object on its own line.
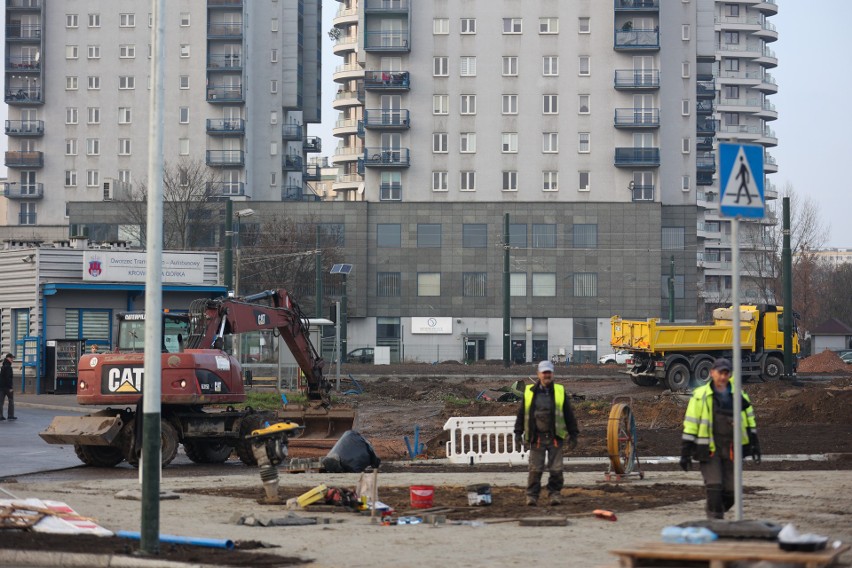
{"type": "Point", "coordinates": [131, 332]}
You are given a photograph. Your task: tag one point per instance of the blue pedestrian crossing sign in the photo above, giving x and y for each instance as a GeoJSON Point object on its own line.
{"type": "Point", "coordinates": [741, 180]}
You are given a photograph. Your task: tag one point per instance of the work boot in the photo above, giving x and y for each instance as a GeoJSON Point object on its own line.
{"type": "Point", "coordinates": [555, 500]}
{"type": "Point", "coordinates": [13, 418]}
{"type": "Point", "coordinates": [531, 501]}
{"type": "Point", "coordinates": [2, 418]}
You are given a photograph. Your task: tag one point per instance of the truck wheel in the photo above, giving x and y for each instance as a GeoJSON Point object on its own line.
{"type": "Point", "coordinates": [99, 456]}
{"type": "Point", "coordinates": [774, 368]}
{"type": "Point", "coordinates": [701, 373]}
{"type": "Point", "coordinates": [249, 423]}
{"type": "Point", "coordinates": [644, 381]}
{"type": "Point", "coordinates": [207, 452]}
{"type": "Point", "coordinates": [677, 377]}
{"type": "Point", "coordinates": [168, 444]}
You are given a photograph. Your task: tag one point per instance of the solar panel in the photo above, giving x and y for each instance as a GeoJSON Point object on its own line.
{"type": "Point", "coordinates": [341, 269]}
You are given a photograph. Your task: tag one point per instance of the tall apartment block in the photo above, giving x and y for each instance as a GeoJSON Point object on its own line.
{"type": "Point", "coordinates": [242, 84]}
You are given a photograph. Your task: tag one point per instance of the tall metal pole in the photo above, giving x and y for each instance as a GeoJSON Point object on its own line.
{"type": "Point", "coordinates": [151, 388]}
{"type": "Point", "coordinates": [337, 340]}
{"type": "Point", "coordinates": [318, 272]}
{"type": "Point", "coordinates": [229, 245]}
{"type": "Point", "coordinates": [738, 365]}
{"type": "Point", "coordinates": [787, 268]}
{"type": "Point", "coordinates": [507, 343]}
{"type": "Point", "coordinates": [671, 290]}
{"type": "Point", "coordinates": [344, 316]}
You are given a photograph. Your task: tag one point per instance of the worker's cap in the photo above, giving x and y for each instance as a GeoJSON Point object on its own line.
{"type": "Point", "coordinates": [545, 367]}
{"type": "Point", "coordinates": [722, 364]}
{"type": "Point", "coordinates": [9, 355]}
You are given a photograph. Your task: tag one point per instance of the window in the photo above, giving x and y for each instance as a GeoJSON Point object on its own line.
{"type": "Point", "coordinates": [731, 118]}
{"type": "Point", "coordinates": [428, 235]}
{"type": "Point", "coordinates": [94, 20]}
{"type": "Point", "coordinates": [510, 180]}
{"type": "Point", "coordinates": [93, 178]}
{"type": "Point", "coordinates": [440, 26]}
{"type": "Point", "coordinates": [388, 235]}
{"type": "Point", "coordinates": [678, 286]}
{"type": "Point", "coordinates": [439, 142]}
{"type": "Point", "coordinates": [124, 147]}
{"type": "Point", "coordinates": [439, 181]}
{"type": "Point", "coordinates": [184, 50]}
{"type": "Point", "coordinates": [674, 238]}
{"type": "Point", "coordinates": [273, 117]}
{"type": "Point", "coordinates": [518, 284]}
{"type": "Point", "coordinates": [510, 104]}
{"type": "Point", "coordinates": [388, 284]}
{"type": "Point", "coordinates": [550, 104]}
{"type": "Point", "coordinates": [550, 142]}
{"type": "Point", "coordinates": [126, 51]}
{"type": "Point", "coordinates": [125, 176]}
{"type": "Point", "coordinates": [93, 115]}
{"type": "Point", "coordinates": [183, 115]}
{"type": "Point", "coordinates": [183, 82]}
{"type": "Point", "coordinates": [518, 235]}
{"type": "Point", "coordinates": [684, 32]}
{"type": "Point", "coordinates": [731, 64]}
{"type": "Point", "coordinates": [585, 285]}
{"type": "Point", "coordinates": [390, 188]}
{"type": "Point", "coordinates": [183, 146]}
{"type": "Point", "coordinates": [684, 183]}
{"type": "Point", "coordinates": [71, 115]}
{"type": "Point", "coordinates": [126, 82]}
{"type": "Point", "coordinates": [585, 65]}
{"type": "Point", "coordinates": [732, 10]}
{"type": "Point", "coordinates": [94, 325]}
{"type": "Point", "coordinates": [543, 236]}
{"type": "Point", "coordinates": [467, 66]}
{"type": "Point", "coordinates": [468, 26]}
{"type": "Point", "coordinates": [94, 82]}
{"type": "Point", "coordinates": [731, 38]}
{"type": "Point", "coordinates": [548, 25]}
{"type": "Point", "coordinates": [474, 235]}
{"type": "Point", "coordinates": [583, 182]}
{"type": "Point", "coordinates": [70, 146]}
{"type": "Point", "coordinates": [71, 83]}
{"type": "Point", "coordinates": [71, 52]}
{"type": "Point", "coordinates": [584, 26]}
{"type": "Point", "coordinates": [685, 70]}
{"type": "Point", "coordinates": [440, 66]}
{"type": "Point", "coordinates": [93, 147]}
{"type": "Point", "coordinates": [467, 181]}
{"type": "Point", "coordinates": [585, 104]}
{"type": "Point", "coordinates": [94, 52]}
{"type": "Point", "coordinates": [127, 20]}
{"type": "Point", "coordinates": [27, 217]}
{"type": "Point", "coordinates": [467, 104]}
{"type": "Point", "coordinates": [512, 25]}
{"type": "Point", "coordinates": [273, 86]}
{"type": "Point", "coordinates": [125, 115]}
{"type": "Point", "coordinates": [72, 20]}
{"type": "Point", "coordinates": [584, 142]}
{"type": "Point", "coordinates": [184, 19]}
{"type": "Point", "coordinates": [474, 284]}
{"type": "Point", "coordinates": [585, 235]}
{"type": "Point", "coordinates": [467, 142]}
{"type": "Point", "coordinates": [509, 142]}
{"type": "Point", "coordinates": [70, 178]}
{"type": "Point", "coordinates": [550, 181]}
{"type": "Point", "coordinates": [684, 107]}
{"type": "Point", "coordinates": [544, 284]}
{"type": "Point", "coordinates": [428, 283]}
{"type": "Point", "coordinates": [440, 104]}
{"type": "Point", "coordinates": [510, 66]}
{"type": "Point", "coordinates": [684, 145]}
{"type": "Point", "coordinates": [273, 56]}
{"type": "Point", "coordinates": [732, 92]}
{"type": "Point", "coordinates": [273, 25]}
{"type": "Point", "coordinates": [550, 65]}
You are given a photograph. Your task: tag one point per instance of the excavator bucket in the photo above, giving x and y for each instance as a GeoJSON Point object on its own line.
{"type": "Point", "coordinates": [323, 426]}
{"type": "Point", "coordinates": [92, 430]}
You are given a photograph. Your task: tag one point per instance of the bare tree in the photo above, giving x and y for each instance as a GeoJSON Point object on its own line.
{"type": "Point", "coordinates": [836, 300]}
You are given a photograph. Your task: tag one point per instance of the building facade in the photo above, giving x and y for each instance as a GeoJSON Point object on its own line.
{"type": "Point", "coordinates": [237, 102]}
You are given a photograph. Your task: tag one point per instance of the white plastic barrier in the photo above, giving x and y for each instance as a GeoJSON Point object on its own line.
{"type": "Point", "coordinates": [483, 439]}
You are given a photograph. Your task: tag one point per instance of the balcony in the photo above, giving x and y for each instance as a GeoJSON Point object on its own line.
{"type": "Point", "coordinates": [24, 159]}
{"type": "Point", "coordinates": [348, 154]}
{"type": "Point", "coordinates": [386, 158]}
{"type": "Point", "coordinates": [23, 32]}
{"type": "Point", "coordinates": [637, 40]}
{"type": "Point", "coordinates": [312, 172]}
{"type": "Point", "coordinates": [24, 96]}
{"type": "Point", "coordinates": [386, 81]}
{"type": "Point", "coordinates": [23, 64]}
{"type": "Point", "coordinates": [312, 144]}
{"type": "Point", "coordinates": [226, 158]}
{"type": "Point", "coordinates": [291, 163]}
{"type": "Point", "coordinates": [387, 41]}
{"type": "Point", "coordinates": [704, 178]}
{"type": "Point", "coordinates": [637, 157]}
{"type": "Point", "coordinates": [637, 118]}
{"type": "Point", "coordinates": [24, 128]}
{"type": "Point", "coordinates": [25, 191]}
{"type": "Point", "coordinates": [226, 188]}
{"type": "Point", "coordinates": [224, 62]}
{"type": "Point", "coordinates": [706, 199]}
{"type": "Point", "coordinates": [770, 165]}
{"type": "Point", "coordinates": [345, 126]}
{"type": "Point", "coordinates": [295, 192]}
{"type": "Point", "coordinates": [637, 79]}
{"type": "Point", "coordinates": [224, 30]}
{"type": "Point", "coordinates": [386, 6]}
{"type": "Point", "coordinates": [643, 192]}
{"type": "Point", "coordinates": [291, 132]}
{"type": "Point", "coordinates": [707, 127]}
{"type": "Point", "coordinates": [383, 119]}
{"type": "Point", "coordinates": [706, 89]}
{"type": "Point", "coordinates": [344, 99]}
{"type": "Point", "coordinates": [348, 71]}
{"type": "Point", "coordinates": [224, 4]}
{"type": "Point", "coordinates": [23, 5]}
{"type": "Point", "coordinates": [703, 143]}
{"type": "Point", "coordinates": [226, 126]}
{"type": "Point", "coordinates": [706, 162]}
{"type": "Point", "coordinates": [344, 44]}
{"type": "Point", "coordinates": [221, 94]}
{"type": "Point", "coordinates": [361, 131]}
{"type": "Point", "coordinates": [637, 5]}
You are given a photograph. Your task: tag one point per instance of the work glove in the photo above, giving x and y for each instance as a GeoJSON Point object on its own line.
{"type": "Point", "coordinates": [571, 443]}
{"type": "Point", "coordinates": [755, 447]}
{"type": "Point", "coordinates": [519, 439]}
{"type": "Point", "coordinates": [686, 452]}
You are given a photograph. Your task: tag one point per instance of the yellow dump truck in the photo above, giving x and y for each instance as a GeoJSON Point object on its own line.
{"type": "Point", "coordinates": [680, 355]}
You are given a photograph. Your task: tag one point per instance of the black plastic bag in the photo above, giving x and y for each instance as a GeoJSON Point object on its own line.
{"type": "Point", "coordinates": [351, 454]}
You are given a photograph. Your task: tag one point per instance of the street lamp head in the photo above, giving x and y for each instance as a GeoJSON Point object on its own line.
{"type": "Point", "coordinates": [244, 213]}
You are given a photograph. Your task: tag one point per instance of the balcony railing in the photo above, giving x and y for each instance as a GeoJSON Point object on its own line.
{"type": "Point", "coordinates": [224, 62]}
{"type": "Point", "coordinates": [23, 191]}
{"type": "Point", "coordinates": [224, 3]}
{"type": "Point", "coordinates": [24, 159]}
{"type": "Point", "coordinates": [224, 30]}
{"type": "Point", "coordinates": [295, 192]}
{"type": "Point", "coordinates": [704, 107]}
{"type": "Point", "coordinates": [385, 6]}
{"type": "Point", "coordinates": [706, 163]}
{"type": "Point", "coordinates": [23, 4]}
{"type": "Point", "coordinates": [637, 157]}
{"type": "Point", "coordinates": [636, 5]}
{"type": "Point", "coordinates": [387, 157]}
{"type": "Point", "coordinates": [23, 96]}
{"type": "Point", "coordinates": [643, 192]}
{"type": "Point", "coordinates": [386, 80]}
{"type": "Point", "coordinates": [386, 119]}
{"type": "Point", "coordinates": [704, 143]}
{"type": "Point", "coordinates": [23, 32]}
{"type": "Point", "coordinates": [225, 94]}
{"type": "Point", "coordinates": [312, 144]}
{"type": "Point", "coordinates": [705, 89]}
{"type": "Point", "coordinates": [637, 79]}
{"type": "Point", "coordinates": [312, 172]}
{"type": "Point", "coordinates": [226, 126]}
{"type": "Point", "coordinates": [637, 118]}
{"type": "Point", "coordinates": [21, 64]}
{"type": "Point", "coordinates": [291, 132]}
{"type": "Point", "coordinates": [641, 40]}
{"type": "Point", "coordinates": [226, 188]}
{"type": "Point", "coordinates": [707, 127]}
{"type": "Point", "coordinates": [290, 163]}
{"type": "Point", "coordinates": [704, 178]}
{"type": "Point", "coordinates": [24, 127]}
{"type": "Point", "coordinates": [387, 41]}
{"type": "Point", "coordinates": [234, 158]}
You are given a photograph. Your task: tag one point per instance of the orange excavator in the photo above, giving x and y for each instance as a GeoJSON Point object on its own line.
{"type": "Point", "coordinates": [196, 373]}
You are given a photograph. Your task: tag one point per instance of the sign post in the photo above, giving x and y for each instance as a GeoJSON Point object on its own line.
{"type": "Point", "coordinates": [741, 195]}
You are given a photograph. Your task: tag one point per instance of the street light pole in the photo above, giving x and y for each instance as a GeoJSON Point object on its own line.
{"type": "Point", "coordinates": [239, 214]}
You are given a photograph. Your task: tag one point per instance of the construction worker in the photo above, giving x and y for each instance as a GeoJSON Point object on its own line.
{"type": "Point", "coordinates": [544, 421]}
{"type": "Point", "coordinates": [708, 436]}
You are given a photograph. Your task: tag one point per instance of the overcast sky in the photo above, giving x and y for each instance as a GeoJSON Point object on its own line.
{"type": "Point", "coordinates": [814, 124]}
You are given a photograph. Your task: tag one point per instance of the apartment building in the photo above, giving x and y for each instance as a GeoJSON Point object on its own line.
{"type": "Point", "coordinates": [238, 102]}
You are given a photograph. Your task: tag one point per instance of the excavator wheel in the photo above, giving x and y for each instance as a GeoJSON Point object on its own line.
{"type": "Point", "coordinates": [99, 456]}
{"type": "Point", "coordinates": [168, 443]}
{"type": "Point", "coordinates": [249, 423]}
{"type": "Point", "coordinates": [207, 452]}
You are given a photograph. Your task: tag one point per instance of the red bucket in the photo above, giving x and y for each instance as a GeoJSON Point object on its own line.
{"type": "Point", "coordinates": [421, 496]}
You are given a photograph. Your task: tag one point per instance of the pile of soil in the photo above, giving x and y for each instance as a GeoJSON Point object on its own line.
{"type": "Point", "coordinates": [825, 362]}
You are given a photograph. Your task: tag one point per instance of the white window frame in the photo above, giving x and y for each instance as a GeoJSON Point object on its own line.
{"type": "Point", "coordinates": [70, 178]}
{"type": "Point", "coordinates": [93, 52]}
{"type": "Point", "coordinates": [183, 115]}
{"type": "Point", "coordinates": [440, 181]}
{"type": "Point", "coordinates": [441, 66]}
{"type": "Point", "coordinates": [127, 20]}
{"type": "Point", "coordinates": [550, 65]}
{"type": "Point", "coordinates": [467, 26]}
{"type": "Point", "coordinates": [584, 142]}
{"type": "Point", "coordinates": [183, 146]}
{"type": "Point", "coordinates": [70, 146]}
{"type": "Point", "coordinates": [72, 21]}
{"type": "Point", "coordinates": [440, 104]}
{"type": "Point", "coordinates": [685, 145]}
{"type": "Point", "coordinates": [440, 142]}
{"type": "Point", "coordinates": [584, 104]}
{"type": "Point", "coordinates": [184, 19]}
{"type": "Point", "coordinates": [183, 82]}
{"type": "Point", "coordinates": [126, 82]}
{"type": "Point", "coordinates": [510, 180]}
{"type": "Point", "coordinates": [584, 25]}
{"type": "Point", "coordinates": [584, 63]}
{"type": "Point", "coordinates": [550, 180]}
{"type": "Point", "coordinates": [467, 66]}
{"type": "Point", "coordinates": [509, 142]}
{"type": "Point", "coordinates": [125, 115]}
{"type": "Point", "coordinates": [685, 107]}
{"type": "Point", "coordinates": [588, 180]}
{"type": "Point", "coordinates": [72, 52]}
{"type": "Point", "coordinates": [509, 104]}
{"type": "Point", "coordinates": [185, 50]}
{"type": "Point", "coordinates": [273, 25]}
{"type": "Point", "coordinates": [127, 51]}
{"type": "Point", "coordinates": [440, 26]}
{"type": "Point", "coordinates": [94, 20]}
{"type": "Point", "coordinates": [93, 178]}
{"type": "Point", "coordinates": [684, 183]}
{"type": "Point", "coordinates": [467, 104]}
{"type": "Point", "coordinates": [71, 83]}
{"type": "Point", "coordinates": [550, 142]}
{"type": "Point", "coordinates": [467, 180]}
{"type": "Point", "coordinates": [72, 116]}
{"type": "Point", "coordinates": [94, 82]}
{"type": "Point", "coordinates": [93, 146]}
{"type": "Point", "coordinates": [467, 143]}
{"type": "Point", "coordinates": [550, 104]}
{"type": "Point", "coordinates": [685, 32]}
{"type": "Point", "coordinates": [548, 26]}
{"type": "Point", "coordinates": [685, 71]}
{"type": "Point", "coordinates": [93, 115]}
{"type": "Point", "coordinates": [124, 147]}
{"type": "Point", "coordinates": [273, 86]}
{"type": "Point", "coordinates": [273, 56]}
{"type": "Point", "coordinates": [510, 66]}
{"type": "Point", "coordinates": [513, 26]}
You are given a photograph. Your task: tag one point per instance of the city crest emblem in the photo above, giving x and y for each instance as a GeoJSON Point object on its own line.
{"type": "Point", "coordinates": [95, 267]}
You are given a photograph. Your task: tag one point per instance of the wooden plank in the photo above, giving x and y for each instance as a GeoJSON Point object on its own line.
{"type": "Point", "coordinates": [543, 522]}
{"type": "Point", "coordinates": [725, 551]}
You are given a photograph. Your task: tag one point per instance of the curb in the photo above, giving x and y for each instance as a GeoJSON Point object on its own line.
{"type": "Point", "coordinates": [13, 557]}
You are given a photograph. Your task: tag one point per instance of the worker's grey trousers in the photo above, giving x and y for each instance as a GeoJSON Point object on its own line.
{"type": "Point", "coordinates": [547, 457]}
{"type": "Point", "coordinates": [718, 474]}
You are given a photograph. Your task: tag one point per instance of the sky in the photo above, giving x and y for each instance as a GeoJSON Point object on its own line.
{"type": "Point", "coordinates": [814, 123]}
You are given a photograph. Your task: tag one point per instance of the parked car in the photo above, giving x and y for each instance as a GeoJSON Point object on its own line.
{"type": "Point", "coordinates": [361, 355]}
{"type": "Point", "coordinates": [847, 357]}
{"type": "Point", "coordinates": [620, 358]}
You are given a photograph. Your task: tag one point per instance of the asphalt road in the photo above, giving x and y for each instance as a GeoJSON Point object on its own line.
{"type": "Point", "coordinates": [23, 452]}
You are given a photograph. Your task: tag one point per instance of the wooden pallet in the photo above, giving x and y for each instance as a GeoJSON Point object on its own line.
{"type": "Point", "coordinates": [720, 554]}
